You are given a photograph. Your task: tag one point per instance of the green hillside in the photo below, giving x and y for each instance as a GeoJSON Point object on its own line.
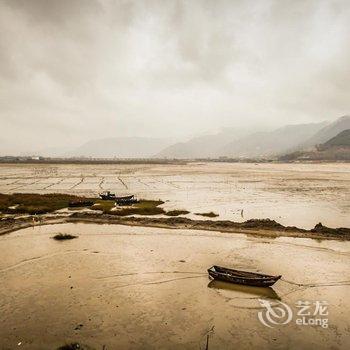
{"type": "Point", "coordinates": [341, 140]}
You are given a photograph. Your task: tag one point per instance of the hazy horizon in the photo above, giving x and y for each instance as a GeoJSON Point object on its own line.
{"type": "Point", "coordinates": [73, 71]}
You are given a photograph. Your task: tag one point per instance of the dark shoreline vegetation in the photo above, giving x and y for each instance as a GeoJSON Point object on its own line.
{"type": "Point", "coordinates": [143, 207]}
{"type": "Point", "coordinates": [176, 212]}
{"type": "Point", "coordinates": [256, 227]}
{"type": "Point", "coordinates": [208, 215]}
{"type": "Point", "coordinates": [63, 236]}
{"type": "Point", "coordinates": [253, 226]}
{"type": "Point", "coordinates": [35, 204]}
{"type": "Point", "coordinates": [106, 212]}
{"type": "Point", "coordinates": [73, 346]}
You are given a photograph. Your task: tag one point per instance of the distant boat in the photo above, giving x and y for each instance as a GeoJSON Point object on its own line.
{"type": "Point", "coordinates": [107, 196]}
{"type": "Point", "coordinates": [123, 200]}
{"type": "Point", "coordinates": [126, 200]}
{"type": "Point", "coordinates": [242, 277]}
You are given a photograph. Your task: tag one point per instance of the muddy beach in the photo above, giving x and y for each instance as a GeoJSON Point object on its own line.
{"type": "Point", "coordinates": [140, 281]}
{"type": "Point", "coordinates": [124, 287]}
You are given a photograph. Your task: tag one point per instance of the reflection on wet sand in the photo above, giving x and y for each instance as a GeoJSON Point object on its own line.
{"type": "Point", "coordinates": [257, 292]}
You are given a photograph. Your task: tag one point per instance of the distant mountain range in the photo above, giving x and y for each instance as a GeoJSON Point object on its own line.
{"type": "Point", "coordinates": [235, 144]}
{"type": "Point", "coordinates": [267, 144]}
{"type": "Point", "coordinates": [122, 147]}
{"type": "Point", "coordinates": [207, 146]}
{"type": "Point", "coordinates": [230, 143]}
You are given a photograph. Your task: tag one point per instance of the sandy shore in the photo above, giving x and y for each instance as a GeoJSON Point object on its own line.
{"type": "Point", "coordinates": [263, 228]}
{"type": "Point", "coordinates": [128, 287]}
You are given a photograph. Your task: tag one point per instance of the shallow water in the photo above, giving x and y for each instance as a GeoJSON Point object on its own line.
{"type": "Point", "coordinates": [292, 194]}
{"type": "Point", "coordinates": [147, 288]}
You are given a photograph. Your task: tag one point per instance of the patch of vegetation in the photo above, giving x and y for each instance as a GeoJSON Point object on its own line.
{"type": "Point", "coordinates": [176, 212]}
{"type": "Point", "coordinates": [80, 204]}
{"type": "Point", "coordinates": [34, 203]}
{"type": "Point", "coordinates": [63, 236]}
{"type": "Point", "coordinates": [208, 215]}
{"type": "Point", "coordinates": [143, 207]}
{"type": "Point", "coordinates": [103, 205]}
{"type": "Point", "coordinates": [74, 346]}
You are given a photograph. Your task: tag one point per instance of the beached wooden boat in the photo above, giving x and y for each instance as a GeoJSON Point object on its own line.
{"type": "Point", "coordinates": [126, 200]}
{"type": "Point", "coordinates": [107, 196]}
{"type": "Point", "coordinates": [242, 277]}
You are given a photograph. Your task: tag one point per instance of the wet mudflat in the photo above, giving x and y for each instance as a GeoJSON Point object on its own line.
{"type": "Point", "coordinates": [147, 288]}
{"type": "Point", "coordinates": [293, 194]}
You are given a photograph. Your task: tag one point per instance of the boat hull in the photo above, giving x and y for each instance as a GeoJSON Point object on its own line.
{"type": "Point", "coordinates": [242, 277]}
{"type": "Point", "coordinates": [107, 197]}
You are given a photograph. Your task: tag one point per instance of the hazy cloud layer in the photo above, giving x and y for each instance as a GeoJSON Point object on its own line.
{"type": "Point", "coordinates": [73, 70]}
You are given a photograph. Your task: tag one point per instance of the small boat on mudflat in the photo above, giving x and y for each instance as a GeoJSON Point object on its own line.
{"type": "Point", "coordinates": [107, 195]}
{"type": "Point", "coordinates": [126, 200]}
{"type": "Point", "coordinates": [242, 277]}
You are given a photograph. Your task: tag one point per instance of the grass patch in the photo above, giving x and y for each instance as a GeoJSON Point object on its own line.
{"type": "Point", "coordinates": [34, 203]}
{"type": "Point", "coordinates": [105, 206]}
{"type": "Point", "coordinates": [176, 212]}
{"type": "Point", "coordinates": [208, 215]}
{"type": "Point", "coordinates": [63, 237]}
{"type": "Point", "coordinates": [72, 346]}
{"type": "Point", "coordinates": [143, 207]}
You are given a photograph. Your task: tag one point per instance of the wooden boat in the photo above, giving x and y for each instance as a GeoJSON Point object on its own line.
{"type": "Point", "coordinates": [126, 200]}
{"type": "Point", "coordinates": [242, 277]}
{"type": "Point", "coordinates": [107, 196]}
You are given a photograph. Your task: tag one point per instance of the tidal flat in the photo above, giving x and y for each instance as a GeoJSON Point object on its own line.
{"type": "Point", "coordinates": [141, 282]}
{"type": "Point", "coordinates": [299, 195]}
{"type": "Point", "coordinates": [118, 287]}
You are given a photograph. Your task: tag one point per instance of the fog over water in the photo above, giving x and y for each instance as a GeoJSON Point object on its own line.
{"type": "Point", "coordinates": [72, 71]}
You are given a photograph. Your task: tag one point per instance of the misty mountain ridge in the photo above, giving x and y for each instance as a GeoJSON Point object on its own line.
{"type": "Point", "coordinates": [121, 147]}
{"type": "Point", "coordinates": [264, 144]}
{"type": "Point", "coordinates": [261, 144]}
{"type": "Point", "coordinates": [229, 142]}
{"type": "Point", "coordinates": [202, 146]}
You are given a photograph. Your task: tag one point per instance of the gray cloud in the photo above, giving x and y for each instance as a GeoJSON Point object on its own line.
{"type": "Point", "coordinates": [75, 70]}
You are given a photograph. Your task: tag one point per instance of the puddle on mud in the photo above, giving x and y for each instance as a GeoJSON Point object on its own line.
{"type": "Point", "coordinates": [139, 288]}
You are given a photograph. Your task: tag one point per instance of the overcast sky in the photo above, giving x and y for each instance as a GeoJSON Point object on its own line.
{"type": "Point", "coordinates": [74, 70]}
